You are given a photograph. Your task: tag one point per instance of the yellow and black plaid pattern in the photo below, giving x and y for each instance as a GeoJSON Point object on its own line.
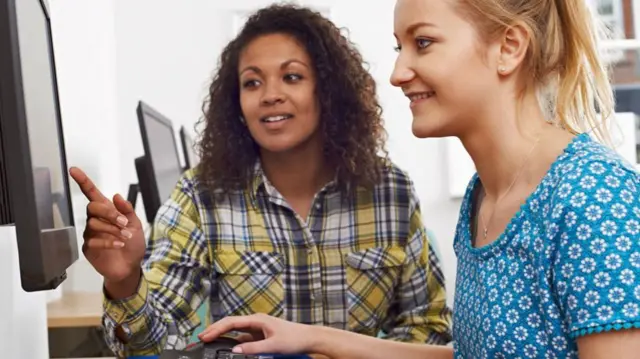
{"type": "Point", "coordinates": [250, 282]}
{"type": "Point", "coordinates": [372, 275]}
{"type": "Point", "coordinates": [359, 263]}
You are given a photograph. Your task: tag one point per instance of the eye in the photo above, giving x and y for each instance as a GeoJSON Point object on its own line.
{"type": "Point", "coordinates": [422, 43]}
{"type": "Point", "coordinates": [250, 83]}
{"type": "Point", "coordinates": [397, 48]}
{"type": "Point", "coordinates": [292, 77]}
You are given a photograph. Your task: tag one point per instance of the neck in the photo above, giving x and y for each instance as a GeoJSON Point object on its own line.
{"type": "Point", "coordinates": [300, 173]}
{"type": "Point", "coordinates": [502, 146]}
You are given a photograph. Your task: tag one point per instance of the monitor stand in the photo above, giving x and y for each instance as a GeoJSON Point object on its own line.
{"type": "Point", "coordinates": [132, 194]}
{"type": "Point", "coordinates": [23, 315]}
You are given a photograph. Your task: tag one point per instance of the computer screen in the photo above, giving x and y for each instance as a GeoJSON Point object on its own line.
{"type": "Point", "coordinates": [35, 185]}
{"type": "Point", "coordinates": [41, 112]}
{"type": "Point", "coordinates": [191, 157]}
{"type": "Point", "coordinates": [161, 155]}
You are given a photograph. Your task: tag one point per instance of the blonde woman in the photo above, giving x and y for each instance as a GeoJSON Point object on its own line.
{"type": "Point", "coordinates": [548, 240]}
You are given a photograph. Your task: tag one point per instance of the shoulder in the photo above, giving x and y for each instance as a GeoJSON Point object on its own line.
{"type": "Point", "coordinates": [190, 192]}
{"type": "Point", "coordinates": [395, 185]}
{"type": "Point", "coordinates": [188, 187]}
{"type": "Point", "coordinates": [593, 172]}
{"type": "Point", "coordinates": [596, 192]}
{"type": "Point", "coordinates": [189, 180]}
{"type": "Point", "coordinates": [393, 175]}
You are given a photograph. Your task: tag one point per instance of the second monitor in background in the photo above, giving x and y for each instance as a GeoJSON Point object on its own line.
{"type": "Point", "coordinates": [191, 157]}
{"type": "Point", "coordinates": [159, 169]}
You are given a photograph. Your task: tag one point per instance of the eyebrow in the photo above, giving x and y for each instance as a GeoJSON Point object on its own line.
{"type": "Point", "coordinates": [282, 66]}
{"type": "Point", "coordinates": [413, 27]}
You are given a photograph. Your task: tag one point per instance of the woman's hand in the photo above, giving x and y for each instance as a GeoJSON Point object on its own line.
{"type": "Point", "coordinates": [269, 335]}
{"type": "Point", "coordinates": [265, 334]}
{"type": "Point", "coordinates": [114, 240]}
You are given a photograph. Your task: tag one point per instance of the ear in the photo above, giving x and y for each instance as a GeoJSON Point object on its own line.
{"type": "Point", "coordinates": [513, 48]}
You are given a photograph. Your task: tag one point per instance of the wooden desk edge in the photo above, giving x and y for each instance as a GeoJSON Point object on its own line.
{"type": "Point", "coordinates": [75, 310]}
{"type": "Point", "coordinates": [74, 322]}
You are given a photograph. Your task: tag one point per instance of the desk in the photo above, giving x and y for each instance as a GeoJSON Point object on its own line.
{"type": "Point", "coordinates": [75, 310]}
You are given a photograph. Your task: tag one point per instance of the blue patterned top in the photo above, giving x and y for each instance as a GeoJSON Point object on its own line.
{"type": "Point", "coordinates": [567, 265]}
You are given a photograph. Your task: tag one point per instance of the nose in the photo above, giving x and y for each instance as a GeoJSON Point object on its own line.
{"type": "Point", "coordinates": [402, 73]}
{"type": "Point", "coordinates": [272, 95]}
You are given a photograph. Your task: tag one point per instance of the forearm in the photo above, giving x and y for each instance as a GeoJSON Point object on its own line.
{"type": "Point", "coordinates": [338, 344]}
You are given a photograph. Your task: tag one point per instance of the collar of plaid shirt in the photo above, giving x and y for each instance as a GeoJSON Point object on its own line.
{"type": "Point", "coordinates": [260, 180]}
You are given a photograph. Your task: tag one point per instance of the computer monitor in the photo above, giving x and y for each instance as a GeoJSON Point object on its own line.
{"type": "Point", "coordinates": [159, 169]}
{"type": "Point", "coordinates": [34, 185]}
{"type": "Point", "coordinates": [191, 158]}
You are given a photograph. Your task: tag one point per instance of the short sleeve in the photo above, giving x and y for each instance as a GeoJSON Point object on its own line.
{"type": "Point", "coordinates": [595, 227]}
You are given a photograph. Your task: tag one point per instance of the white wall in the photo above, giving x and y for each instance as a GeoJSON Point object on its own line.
{"type": "Point", "coordinates": [166, 55]}
{"type": "Point", "coordinates": [84, 45]}
{"type": "Point", "coordinates": [23, 316]}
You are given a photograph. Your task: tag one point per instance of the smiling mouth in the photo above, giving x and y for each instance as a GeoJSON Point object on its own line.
{"type": "Point", "coordinates": [276, 118]}
{"type": "Point", "coordinates": [415, 97]}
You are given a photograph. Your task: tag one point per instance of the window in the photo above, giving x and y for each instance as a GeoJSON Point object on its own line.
{"type": "Point", "coordinates": [622, 52]}
{"type": "Point", "coordinates": [611, 13]}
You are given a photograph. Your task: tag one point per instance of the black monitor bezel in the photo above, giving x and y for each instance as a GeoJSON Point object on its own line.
{"type": "Point", "coordinates": [15, 140]}
{"type": "Point", "coordinates": [184, 137]}
{"type": "Point", "coordinates": [142, 111]}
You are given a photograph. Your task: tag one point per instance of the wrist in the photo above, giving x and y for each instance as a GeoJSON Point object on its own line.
{"type": "Point", "coordinates": [320, 337]}
{"type": "Point", "coordinates": [124, 288]}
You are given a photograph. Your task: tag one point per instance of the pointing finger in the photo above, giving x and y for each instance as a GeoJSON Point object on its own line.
{"type": "Point", "coordinates": [87, 186]}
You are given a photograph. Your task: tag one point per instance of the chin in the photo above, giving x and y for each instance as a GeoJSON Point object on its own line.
{"type": "Point", "coordinates": [424, 129]}
{"type": "Point", "coordinates": [277, 148]}
{"type": "Point", "coordinates": [278, 145]}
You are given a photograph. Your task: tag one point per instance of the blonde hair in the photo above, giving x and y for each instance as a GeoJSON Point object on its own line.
{"type": "Point", "coordinates": [563, 57]}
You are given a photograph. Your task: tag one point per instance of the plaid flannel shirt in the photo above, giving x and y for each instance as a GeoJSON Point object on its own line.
{"type": "Point", "coordinates": [361, 264]}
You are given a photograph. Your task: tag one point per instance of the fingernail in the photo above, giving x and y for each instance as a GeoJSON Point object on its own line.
{"type": "Point", "coordinates": [122, 220]}
{"type": "Point", "coordinates": [118, 244]}
{"type": "Point", "coordinates": [126, 234]}
{"type": "Point", "coordinates": [237, 350]}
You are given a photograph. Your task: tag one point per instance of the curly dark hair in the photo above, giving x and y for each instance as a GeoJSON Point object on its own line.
{"type": "Point", "coordinates": [350, 115]}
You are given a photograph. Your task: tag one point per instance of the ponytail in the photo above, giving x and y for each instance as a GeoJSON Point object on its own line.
{"type": "Point", "coordinates": [567, 71]}
{"type": "Point", "coordinates": [585, 100]}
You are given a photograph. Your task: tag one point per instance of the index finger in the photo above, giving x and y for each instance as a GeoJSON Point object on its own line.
{"type": "Point", "coordinates": [86, 185]}
{"type": "Point", "coordinates": [228, 324]}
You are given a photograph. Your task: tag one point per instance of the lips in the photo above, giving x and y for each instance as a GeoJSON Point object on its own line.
{"type": "Point", "coordinates": [276, 118]}
{"type": "Point", "coordinates": [417, 96]}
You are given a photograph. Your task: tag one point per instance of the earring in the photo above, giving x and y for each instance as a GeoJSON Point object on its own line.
{"type": "Point", "coordinates": [502, 69]}
{"type": "Point", "coordinates": [242, 120]}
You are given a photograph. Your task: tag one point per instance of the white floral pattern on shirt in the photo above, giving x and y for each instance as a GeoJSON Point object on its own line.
{"type": "Point", "coordinates": [567, 265]}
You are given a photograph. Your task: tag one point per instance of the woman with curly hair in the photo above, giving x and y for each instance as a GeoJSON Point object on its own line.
{"type": "Point", "coordinates": [294, 210]}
